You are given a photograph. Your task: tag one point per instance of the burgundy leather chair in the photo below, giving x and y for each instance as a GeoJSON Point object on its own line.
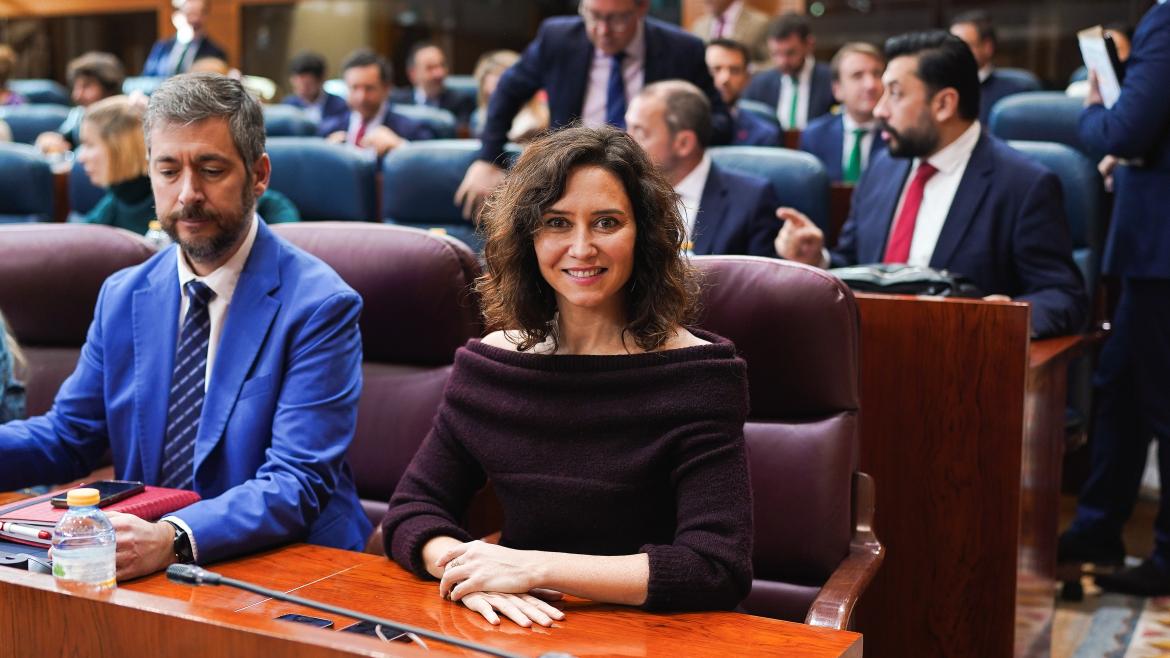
{"type": "Point", "coordinates": [797, 328]}
{"type": "Point", "coordinates": [418, 309]}
{"type": "Point", "coordinates": [50, 276]}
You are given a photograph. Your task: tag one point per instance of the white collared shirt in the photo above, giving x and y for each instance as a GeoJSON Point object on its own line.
{"type": "Point", "coordinates": [633, 72]}
{"type": "Point", "coordinates": [181, 41]}
{"type": "Point", "coordinates": [223, 281]}
{"type": "Point", "coordinates": [849, 125]}
{"type": "Point", "coordinates": [985, 73]}
{"type": "Point", "coordinates": [938, 194]}
{"type": "Point", "coordinates": [690, 193]}
{"type": "Point", "coordinates": [314, 111]}
{"type": "Point", "coordinates": [804, 89]}
{"type": "Point", "coordinates": [730, 16]}
{"type": "Point", "coordinates": [355, 122]}
{"type": "Point", "coordinates": [420, 97]}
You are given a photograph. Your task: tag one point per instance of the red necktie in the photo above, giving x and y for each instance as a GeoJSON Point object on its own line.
{"type": "Point", "coordinates": [898, 247]}
{"type": "Point", "coordinates": [361, 132]}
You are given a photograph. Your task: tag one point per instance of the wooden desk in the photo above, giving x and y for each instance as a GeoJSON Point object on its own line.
{"type": "Point", "coordinates": [144, 616]}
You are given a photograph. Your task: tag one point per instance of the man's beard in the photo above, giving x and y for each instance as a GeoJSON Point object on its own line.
{"type": "Point", "coordinates": [231, 228]}
{"type": "Point", "coordinates": [919, 142]}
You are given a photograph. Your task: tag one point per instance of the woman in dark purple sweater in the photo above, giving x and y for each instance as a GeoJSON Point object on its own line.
{"type": "Point", "coordinates": [612, 435]}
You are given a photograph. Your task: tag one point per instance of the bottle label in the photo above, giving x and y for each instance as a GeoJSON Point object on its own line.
{"type": "Point", "coordinates": [93, 566]}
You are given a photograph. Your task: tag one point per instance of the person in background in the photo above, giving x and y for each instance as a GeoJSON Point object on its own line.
{"type": "Point", "coordinates": [732, 20]}
{"type": "Point", "coordinates": [530, 121]}
{"type": "Point", "coordinates": [1131, 389]}
{"type": "Point", "coordinates": [647, 504]}
{"type": "Point", "coordinates": [7, 66]}
{"type": "Point", "coordinates": [426, 68]}
{"type": "Point", "coordinates": [306, 76]}
{"type": "Point", "coordinates": [92, 77]}
{"type": "Point", "coordinates": [176, 55]}
{"type": "Point", "coordinates": [723, 212]}
{"type": "Point", "coordinates": [12, 396]}
{"type": "Point", "coordinates": [800, 88]}
{"type": "Point", "coordinates": [978, 32]}
{"type": "Point", "coordinates": [857, 84]}
{"type": "Point", "coordinates": [371, 122]}
{"type": "Point", "coordinates": [113, 154]}
{"type": "Point", "coordinates": [728, 62]}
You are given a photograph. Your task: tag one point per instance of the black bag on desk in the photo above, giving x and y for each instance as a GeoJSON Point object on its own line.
{"type": "Point", "coordinates": [900, 279]}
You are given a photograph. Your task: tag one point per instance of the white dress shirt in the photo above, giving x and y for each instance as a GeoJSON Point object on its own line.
{"type": "Point", "coordinates": [730, 16]}
{"type": "Point", "coordinates": [985, 73]}
{"type": "Point", "coordinates": [938, 194]}
{"type": "Point", "coordinates": [315, 110]}
{"type": "Point", "coordinates": [804, 88]}
{"type": "Point", "coordinates": [690, 193]}
{"type": "Point", "coordinates": [847, 143]}
{"type": "Point", "coordinates": [355, 122]}
{"type": "Point", "coordinates": [633, 72]}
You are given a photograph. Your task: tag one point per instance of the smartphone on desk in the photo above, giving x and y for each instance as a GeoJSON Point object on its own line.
{"type": "Point", "coordinates": [387, 633]}
{"type": "Point", "coordinates": [307, 620]}
{"type": "Point", "coordinates": [109, 492]}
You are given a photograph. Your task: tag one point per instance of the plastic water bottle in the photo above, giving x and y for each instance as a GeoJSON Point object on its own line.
{"type": "Point", "coordinates": [84, 544]}
{"type": "Point", "coordinates": [156, 236]}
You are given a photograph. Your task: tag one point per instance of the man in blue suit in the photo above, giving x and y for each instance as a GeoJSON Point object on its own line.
{"type": "Point", "coordinates": [175, 55]}
{"type": "Point", "coordinates": [589, 65]}
{"type": "Point", "coordinates": [857, 84]}
{"type": "Point", "coordinates": [306, 76]}
{"type": "Point", "coordinates": [977, 31]}
{"type": "Point", "coordinates": [1130, 386]}
{"type": "Point", "coordinates": [229, 364]}
{"type": "Point", "coordinates": [728, 62]}
{"type": "Point", "coordinates": [949, 196]}
{"type": "Point", "coordinates": [426, 68]}
{"type": "Point", "coordinates": [800, 88]}
{"type": "Point", "coordinates": [724, 212]}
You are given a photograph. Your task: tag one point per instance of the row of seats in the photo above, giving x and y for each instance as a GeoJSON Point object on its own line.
{"type": "Point", "coordinates": [796, 326]}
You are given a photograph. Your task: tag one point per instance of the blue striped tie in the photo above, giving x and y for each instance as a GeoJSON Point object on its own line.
{"type": "Point", "coordinates": [615, 93]}
{"type": "Point", "coordinates": [186, 406]}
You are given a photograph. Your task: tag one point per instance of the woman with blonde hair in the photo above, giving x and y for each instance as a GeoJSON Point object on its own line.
{"type": "Point", "coordinates": [7, 66]}
{"type": "Point", "coordinates": [11, 390]}
{"type": "Point", "coordinates": [532, 119]}
{"type": "Point", "coordinates": [113, 153]}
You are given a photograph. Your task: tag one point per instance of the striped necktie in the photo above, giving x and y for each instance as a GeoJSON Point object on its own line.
{"type": "Point", "coordinates": [186, 401]}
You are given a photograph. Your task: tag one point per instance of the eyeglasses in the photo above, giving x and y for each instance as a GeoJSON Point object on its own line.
{"type": "Point", "coordinates": [618, 22]}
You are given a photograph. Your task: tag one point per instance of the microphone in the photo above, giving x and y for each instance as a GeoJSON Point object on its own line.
{"type": "Point", "coordinates": [189, 574]}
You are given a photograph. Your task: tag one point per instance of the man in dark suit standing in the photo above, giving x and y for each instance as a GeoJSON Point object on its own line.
{"type": "Point", "coordinates": [724, 212]}
{"type": "Point", "coordinates": [175, 55]}
{"type": "Point", "coordinates": [426, 68]}
{"type": "Point", "coordinates": [949, 196]}
{"type": "Point", "coordinates": [1131, 385]}
{"type": "Point", "coordinates": [370, 123]}
{"type": "Point", "coordinates": [588, 65]}
{"type": "Point", "coordinates": [306, 76]}
{"type": "Point", "coordinates": [728, 63]}
{"type": "Point", "coordinates": [800, 88]}
{"type": "Point", "coordinates": [857, 84]}
{"type": "Point", "coordinates": [977, 31]}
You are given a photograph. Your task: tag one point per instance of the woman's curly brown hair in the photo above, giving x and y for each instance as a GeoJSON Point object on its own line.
{"type": "Point", "coordinates": [663, 289]}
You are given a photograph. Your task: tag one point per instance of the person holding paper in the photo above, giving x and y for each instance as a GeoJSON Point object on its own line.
{"type": "Point", "coordinates": [1131, 387]}
{"type": "Point", "coordinates": [228, 364]}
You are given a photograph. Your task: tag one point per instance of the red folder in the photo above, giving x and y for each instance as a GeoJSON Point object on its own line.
{"type": "Point", "coordinates": [150, 505]}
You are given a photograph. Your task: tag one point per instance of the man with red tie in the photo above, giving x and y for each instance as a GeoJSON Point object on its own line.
{"type": "Point", "coordinates": [947, 195]}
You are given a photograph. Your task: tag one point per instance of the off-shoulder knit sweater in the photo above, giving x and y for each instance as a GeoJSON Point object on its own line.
{"type": "Point", "coordinates": [599, 455]}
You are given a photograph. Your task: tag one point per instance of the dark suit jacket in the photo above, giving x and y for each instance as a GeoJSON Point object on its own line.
{"type": "Point", "coordinates": [558, 60]}
{"type": "Point", "coordinates": [1006, 230]}
{"type": "Point", "coordinates": [157, 62]}
{"type": "Point", "coordinates": [825, 138]}
{"type": "Point", "coordinates": [334, 105]}
{"type": "Point", "coordinates": [1138, 127]}
{"type": "Point", "coordinates": [765, 88]}
{"type": "Point", "coordinates": [754, 130]}
{"type": "Point", "coordinates": [737, 215]}
{"type": "Point", "coordinates": [460, 105]}
{"type": "Point", "coordinates": [406, 127]}
{"type": "Point", "coordinates": [995, 87]}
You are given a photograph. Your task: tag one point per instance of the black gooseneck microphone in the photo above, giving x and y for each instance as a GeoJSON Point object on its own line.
{"type": "Point", "coordinates": [189, 574]}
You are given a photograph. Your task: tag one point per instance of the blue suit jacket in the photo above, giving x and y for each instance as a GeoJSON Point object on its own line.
{"type": "Point", "coordinates": [737, 215]}
{"type": "Point", "coordinates": [459, 105]}
{"type": "Point", "coordinates": [334, 105]}
{"type": "Point", "coordinates": [558, 60]}
{"type": "Point", "coordinates": [825, 138]}
{"type": "Point", "coordinates": [158, 61]}
{"type": "Point", "coordinates": [765, 88]}
{"type": "Point", "coordinates": [1137, 127]}
{"type": "Point", "coordinates": [405, 127]}
{"type": "Point", "coordinates": [1006, 230]}
{"type": "Point", "coordinates": [279, 415]}
{"type": "Point", "coordinates": [754, 130]}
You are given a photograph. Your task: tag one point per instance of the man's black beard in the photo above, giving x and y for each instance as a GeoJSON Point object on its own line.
{"type": "Point", "coordinates": [916, 144]}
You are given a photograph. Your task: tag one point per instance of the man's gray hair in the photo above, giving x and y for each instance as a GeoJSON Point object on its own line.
{"type": "Point", "coordinates": [687, 107]}
{"type": "Point", "coordinates": [194, 97]}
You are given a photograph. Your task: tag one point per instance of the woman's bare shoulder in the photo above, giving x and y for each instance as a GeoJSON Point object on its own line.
{"type": "Point", "coordinates": [683, 338]}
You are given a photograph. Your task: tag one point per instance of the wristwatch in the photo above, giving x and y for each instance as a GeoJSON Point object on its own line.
{"type": "Point", "coordinates": [182, 544]}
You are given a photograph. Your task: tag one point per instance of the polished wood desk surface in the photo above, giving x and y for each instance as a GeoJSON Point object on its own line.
{"type": "Point", "coordinates": [379, 587]}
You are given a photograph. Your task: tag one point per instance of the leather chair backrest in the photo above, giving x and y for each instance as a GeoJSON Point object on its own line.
{"type": "Point", "coordinates": [439, 120]}
{"type": "Point", "coordinates": [26, 185]}
{"type": "Point", "coordinates": [1038, 116]}
{"type": "Point", "coordinates": [143, 83]}
{"type": "Point", "coordinates": [52, 274]}
{"type": "Point", "coordinates": [797, 329]}
{"type": "Point", "coordinates": [762, 110]}
{"type": "Point", "coordinates": [41, 90]}
{"type": "Point", "coordinates": [1023, 77]}
{"type": "Point", "coordinates": [463, 85]}
{"type": "Point", "coordinates": [324, 181]}
{"type": "Point", "coordinates": [287, 121]}
{"type": "Point", "coordinates": [28, 121]}
{"type": "Point", "coordinates": [336, 86]}
{"type": "Point", "coordinates": [418, 309]}
{"type": "Point", "coordinates": [799, 179]}
{"type": "Point", "coordinates": [419, 182]}
{"type": "Point", "coordinates": [83, 194]}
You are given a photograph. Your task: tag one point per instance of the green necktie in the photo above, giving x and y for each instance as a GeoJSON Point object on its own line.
{"type": "Point", "coordinates": [795, 97]}
{"type": "Point", "coordinates": [182, 56]}
{"type": "Point", "coordinates": [852, 170]}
